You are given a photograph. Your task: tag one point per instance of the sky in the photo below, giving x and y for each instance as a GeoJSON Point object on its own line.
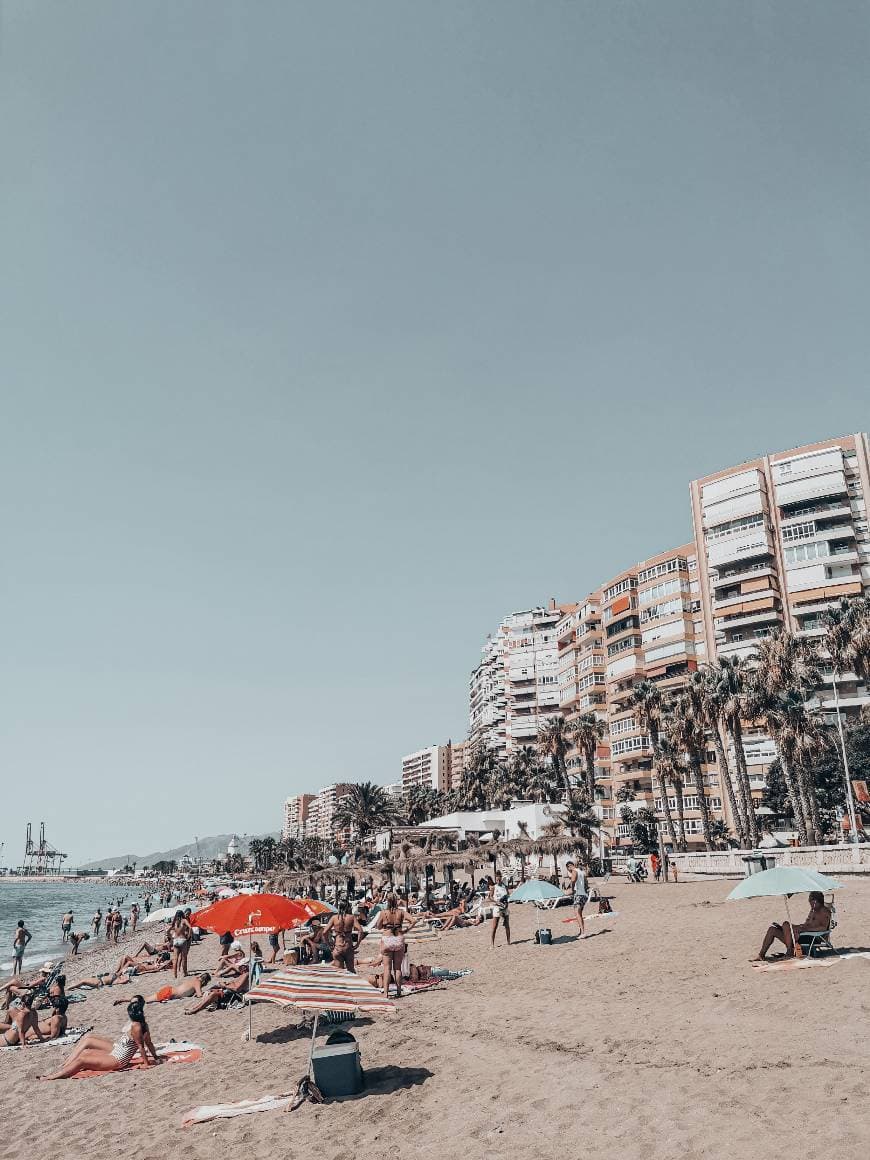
{"type": "Point", "coordinates": [332, 333]}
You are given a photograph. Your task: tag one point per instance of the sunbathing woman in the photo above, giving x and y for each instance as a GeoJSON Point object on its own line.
{"type": "Point", "coordinates": [391, 922]}
{"type": "Point", "coordinates": [23, 1021]}
{"type": "Point", "coordinates": [96, 1053]}
{"type": "Point", "coordinates": [343, 926]}
{"type": "Point", "coordinates": [189, 989]}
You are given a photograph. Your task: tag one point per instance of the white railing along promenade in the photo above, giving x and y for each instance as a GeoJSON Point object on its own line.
{"type": "Point", "coordinates": [844, 859]}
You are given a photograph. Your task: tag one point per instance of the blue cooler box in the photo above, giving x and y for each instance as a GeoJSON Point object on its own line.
{"type": "Point", "coordinates": [337, 1068]}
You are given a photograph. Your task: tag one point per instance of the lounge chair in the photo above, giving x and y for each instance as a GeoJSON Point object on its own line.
{"type": "Point", "coordinates": [815, 942]}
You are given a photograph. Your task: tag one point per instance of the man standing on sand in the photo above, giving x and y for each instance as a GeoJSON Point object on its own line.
{"type": "Point", "coordinates": [96, 920]}
{"type": "Point", "coordinates": [66, 925]}
{"type": "Point", "coordinates": [578, 884]}
{"type": "Point", "coordinates": [134, 916]}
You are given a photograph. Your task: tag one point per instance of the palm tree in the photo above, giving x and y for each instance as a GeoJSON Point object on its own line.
{"type": "Point", "coordinates": [671, 771]}
{"type": "Point", "coordinates": [647, 701]}
{"type": "Point", "coordinates": [287, 849]}
{"type": "Point", "coordinates": [799, 736]}
{"type": "Point", "coordinates": [530, 777]}
{"type": "Point", "coordinates": [847, 641]}
{"type": "Point", "coordinates": [687, 732]}
{"type": "Point", "coordinates": [365, 807]}
{"type": "Point", "coordinates": [480, 779]}
{"type": "Point", "coordinates": [255, 850]}
{"type": "Point", "coordinates": [554, 742]}
{"type": "Point", "coordinates": [424, 802]}
{"type": "Point", "coordinates": [703, 688]}
{"type": "Point", "coordinates": [268, 851]}
{"type": "Point", "coordinates": [788, 666]}
{"type": "Point", "coordinates": [577, 817]}
{"type": "Point", "coordinates": [730, 685]}
{"type": "Point", "coordinates": [587, 731]}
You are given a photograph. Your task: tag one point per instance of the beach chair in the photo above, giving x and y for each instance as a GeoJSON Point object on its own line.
{"type": "Point", "coordinates": [816, 942]}
{"type": "Point", "coordinates": [40, 990]}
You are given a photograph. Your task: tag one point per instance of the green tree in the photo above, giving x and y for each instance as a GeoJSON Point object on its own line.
{"type": "Point", "coordinates": [644, 828]}
{"type": "Point", "coordinates": [702, 687]}
{"type": "Point", "coordinates": [482, 779]}
{"type": "Point", "coordinates": [366, 807]}
{"type": "Point", "coordinates": [671, 772]}
{"type": "Point", "coordinates": [424, 802]}
{"type": "Point", "coordinates": [554, 742]}
{"type": "Point", "coordinates": [728, 696]}
{"type": "Point", "coordinates": [165, 866]}
{"type": "Point", "coordinates": [687, 730]}
{"type": "Point", "coordinates": [587, 731]}
{"type": "Point", "coordinates": [646, 698]}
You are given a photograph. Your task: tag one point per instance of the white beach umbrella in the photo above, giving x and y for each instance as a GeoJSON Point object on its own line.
{"type": "Point", "coordinates": [165, 914]}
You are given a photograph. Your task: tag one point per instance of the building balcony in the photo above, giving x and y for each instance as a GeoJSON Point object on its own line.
{"type": "Point", "coordinates": [744, 546]}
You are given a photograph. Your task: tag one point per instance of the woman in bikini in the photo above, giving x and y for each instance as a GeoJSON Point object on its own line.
{"type": "Point", "coordinates": [391, 922]}
{"type": "Point", "coordinates": [343, 926]}
{"type": "Point", "coordinates": [23, 1020]}
{"type": "Point", "coordinates": [54, 1027]}
{"type": "Point", "coordinates": [179, 933]}
{"type": "Point", "coordinates": [97, 1053]}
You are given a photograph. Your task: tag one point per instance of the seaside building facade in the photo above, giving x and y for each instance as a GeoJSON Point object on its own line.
{"type": "Point", "coordinates": [515, 688]}
{"type": "Point", "coordinates": [429, 766]}
{"type": "Point", "coordinates": [296, 815]}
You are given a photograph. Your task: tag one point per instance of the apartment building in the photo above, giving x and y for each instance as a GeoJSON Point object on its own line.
{"type": "Point", "coordinates": [515, 688]}
{"type": "Point", "coordinates": [296, 815]}
{"type": "Point", "coordinates": [321, 811]}
{"type": "Point", "coordinates": [429, 766]}
{"type": "Point", "coordinates": [459, 751]}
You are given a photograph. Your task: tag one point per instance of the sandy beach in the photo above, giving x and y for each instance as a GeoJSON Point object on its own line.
{"type": "Point", "coordinates": [652, 1038]}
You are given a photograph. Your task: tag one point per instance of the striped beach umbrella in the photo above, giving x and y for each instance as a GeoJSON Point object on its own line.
{"type": "Point", "coordinates": [319, 989]}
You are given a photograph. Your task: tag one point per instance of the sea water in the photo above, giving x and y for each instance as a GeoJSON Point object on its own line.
{"type": "Point", "coordinates": [43, 904]}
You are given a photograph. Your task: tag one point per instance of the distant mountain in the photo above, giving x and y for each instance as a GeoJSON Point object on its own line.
{"type": "Point", "coordinates": [207, 848]}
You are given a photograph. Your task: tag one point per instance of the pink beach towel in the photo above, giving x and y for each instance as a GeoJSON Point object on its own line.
{"type": "Point", "coordinates": [168, 1052]}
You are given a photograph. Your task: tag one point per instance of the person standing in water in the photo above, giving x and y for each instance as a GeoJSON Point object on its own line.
{"type": "Point", "coordinates": [66, 925]}
{"type": "Point", "coordinates": [20, 940]}
{"type": "Point", "coordinates": [96, 921]}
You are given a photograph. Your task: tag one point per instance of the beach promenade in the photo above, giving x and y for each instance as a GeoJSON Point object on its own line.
{"type": "Point", "coordinates": [652, 1038]}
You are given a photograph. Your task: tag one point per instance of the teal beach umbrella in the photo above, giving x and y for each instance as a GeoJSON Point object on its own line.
{"type": "Point", "coordinates": [535, 890]}
{"type": "Point", "coordinates": [783, 881]}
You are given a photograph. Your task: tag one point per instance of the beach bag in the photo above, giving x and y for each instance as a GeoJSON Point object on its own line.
{"type": "Point", "coordinates": [544, 937]}
{"type": "Point", "coordinates": [604, 906]}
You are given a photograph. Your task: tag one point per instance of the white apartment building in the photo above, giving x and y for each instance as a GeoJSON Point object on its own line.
{"type": "Point", "coordinates": [429, 766]}
{"type": "Point", "coordinates": [321, 810]}
{"type": "Point", "coordinates": [296, 815]}
{"type": "Point", "coordinates": [515, 688]}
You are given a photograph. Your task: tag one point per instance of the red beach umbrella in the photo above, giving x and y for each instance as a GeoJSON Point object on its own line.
{"type": "Point", "coordinates": [251, 914]}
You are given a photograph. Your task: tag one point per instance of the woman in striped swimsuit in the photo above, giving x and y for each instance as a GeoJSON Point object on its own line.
{"type": "Point", "coordinates": [96, 1053]}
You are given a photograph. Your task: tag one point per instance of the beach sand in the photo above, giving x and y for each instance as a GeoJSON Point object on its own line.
{"type": "Point", "coordinates": [652, 1038]}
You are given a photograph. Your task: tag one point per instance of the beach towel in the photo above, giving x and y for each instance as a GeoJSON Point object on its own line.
{"type": "Point", "coordinates": [170, 1052]}
{"type": "Point", "coordinates": [206, 1112]}
{"type": "Point", "coordinates": [72, 1035]}
{"type": "Point", "coordinates": [448, 975]}
{"type": "Point", "coordinates": [806, 962]}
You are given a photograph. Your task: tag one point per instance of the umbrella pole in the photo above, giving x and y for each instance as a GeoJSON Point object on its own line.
{"type": "Point", "coordinates": [795, 942]}
{"type": "Point", "coordinates": [311, 1049]}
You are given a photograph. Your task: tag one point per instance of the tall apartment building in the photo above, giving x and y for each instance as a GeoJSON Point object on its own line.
{"type": "Point", "coordinates": [321, 811]}
{"type": "Point", "coordinates": [430, 766]}
{"type": "Point", "coordinates": [459, 750]}
{"type": "Point", "coordinates": [296, 815]}
{"type": "Point", "coordinates": [515, 688]}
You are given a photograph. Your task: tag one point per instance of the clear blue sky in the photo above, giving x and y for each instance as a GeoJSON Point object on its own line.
{"type": "Point", "coordinates": [330, 333]}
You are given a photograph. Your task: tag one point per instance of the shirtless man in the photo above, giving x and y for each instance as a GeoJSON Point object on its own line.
{"type": "Point", "coordinates": [217, 996]}
{"type": "Point", "coordinates": [818, 919]}
{"type": "Point", "coordinates": [77, 939]}
{"type": "Point", "coordinates": [66, 925]}
{"type": "Point", "coordinates": [578, 885]}
{"type": "Point", "coordinates": [189, 989]}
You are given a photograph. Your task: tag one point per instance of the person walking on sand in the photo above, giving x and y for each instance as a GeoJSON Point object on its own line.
{"type": "Point", "coordinates": [66, 925]}
{"type": "Point", "coordinates": [20, 940]}
{"type": "Point", "coordinates": [498, 903]}
{"type": "Point", "coordinates": [578, 885]}
{"type": "Point", "coordinates": [96, 921]}
{"type": "Point", "coordinates": [134, 916]}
